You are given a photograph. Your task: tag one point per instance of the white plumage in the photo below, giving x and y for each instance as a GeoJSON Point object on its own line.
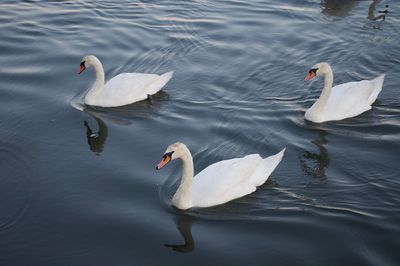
{"type": "Point", "coordinates": [123, 89]}
{"type": "Point", "coordinates": [342, 101]}
{"type": "Point", "coordinates": [220, 182]}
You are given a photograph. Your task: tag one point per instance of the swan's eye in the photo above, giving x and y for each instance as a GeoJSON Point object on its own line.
{"type": "Point", "coordinates": [313, 70]}
{"type": "Point", "coordinates": [82, 64]}
{"type": "Point", "coordinates": [168, 155]}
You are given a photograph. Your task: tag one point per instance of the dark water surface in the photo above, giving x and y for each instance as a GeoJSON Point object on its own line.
{"type": "Point", "coordinates": [66, 199]}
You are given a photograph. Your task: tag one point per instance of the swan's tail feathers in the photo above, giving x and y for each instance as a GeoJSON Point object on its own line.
{"type": "Point", "coordinates": [266, 167]}
{"type": "Point", "coordinates": [160, 82]}
{"type": "Point", "coordinates": [377, 84]}
{"type": "Point", "coordinates": [167, 76]}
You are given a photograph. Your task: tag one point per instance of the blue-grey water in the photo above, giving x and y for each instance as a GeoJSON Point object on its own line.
{"type": "Point", "coordinates": [80, 187]}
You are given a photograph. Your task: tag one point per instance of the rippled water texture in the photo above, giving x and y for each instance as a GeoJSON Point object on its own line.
{"type": "Point", "coordinates": [79, 187]}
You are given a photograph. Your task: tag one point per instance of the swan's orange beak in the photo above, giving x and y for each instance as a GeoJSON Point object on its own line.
{"type": "Point", "coordinates": [165, 160]}
{"type": "Point", "coordinates": [82, 67]}
{"type": "Point", "coordinates": [310, 75]}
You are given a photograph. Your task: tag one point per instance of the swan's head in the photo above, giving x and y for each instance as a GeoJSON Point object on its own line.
{"type": "Point", "coordinates": [174, 151]}
{"type": "Point", "coordinates": [87, 61]}
{"type": "Point", "coordinates": [317, 70]}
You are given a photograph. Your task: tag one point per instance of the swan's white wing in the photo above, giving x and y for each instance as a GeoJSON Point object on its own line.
{"type": "Point", "coordinates": [352, 98]}
{"type": "Point", "coordinates": [377, 84]}
{"type": "Point", "coordinates": [127, 88]}
{"type": "Point", "coordinates": [266, 167]}
{"type": "Point", "coordinates": [224, 181]}
{"type": "Point", "coordinates": [230, 179]}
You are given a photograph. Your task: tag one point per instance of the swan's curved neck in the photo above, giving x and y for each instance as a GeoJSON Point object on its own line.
{"type": "Point", "coordinates": [327, 87]}
{"type": "Point", "coordinates": [183, 196]}
{"type": "Point", "coordinates": [98, 85]}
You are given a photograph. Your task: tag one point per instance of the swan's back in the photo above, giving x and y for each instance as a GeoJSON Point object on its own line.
{"type": "Point", "coordinates": [352, 98]}
{"type": "Point", "coordinates": [127, 88]}
{"type": "Point", "coordinates": [230, 179]}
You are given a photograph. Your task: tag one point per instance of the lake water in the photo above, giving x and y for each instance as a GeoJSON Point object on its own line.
{"type": "Point", "coordinates": [238, 88]}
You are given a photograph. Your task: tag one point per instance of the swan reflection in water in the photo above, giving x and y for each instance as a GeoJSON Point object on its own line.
{"type": "Point", "coordinates": [183, 224]}
{"type": "Point", "coordinates": [371, 11]}
{"type": "Point", "coordinates": [314, 164]}
{"type": "Point", "coordinates": [342, 8]}
{"type": "Point", "coordinates": [96, 140]}
{"type": "Point", "coordinates": [118, 116]}
{"type": "Point", "coordinates": [337, 8]}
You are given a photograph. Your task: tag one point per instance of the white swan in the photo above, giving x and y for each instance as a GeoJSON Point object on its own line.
{"type": "Point", "coordinates": [126, 88]}
{"type": "Point", "coordinates": [220, 182]}
{"type": "Point", "coordinates": [342, 101]}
